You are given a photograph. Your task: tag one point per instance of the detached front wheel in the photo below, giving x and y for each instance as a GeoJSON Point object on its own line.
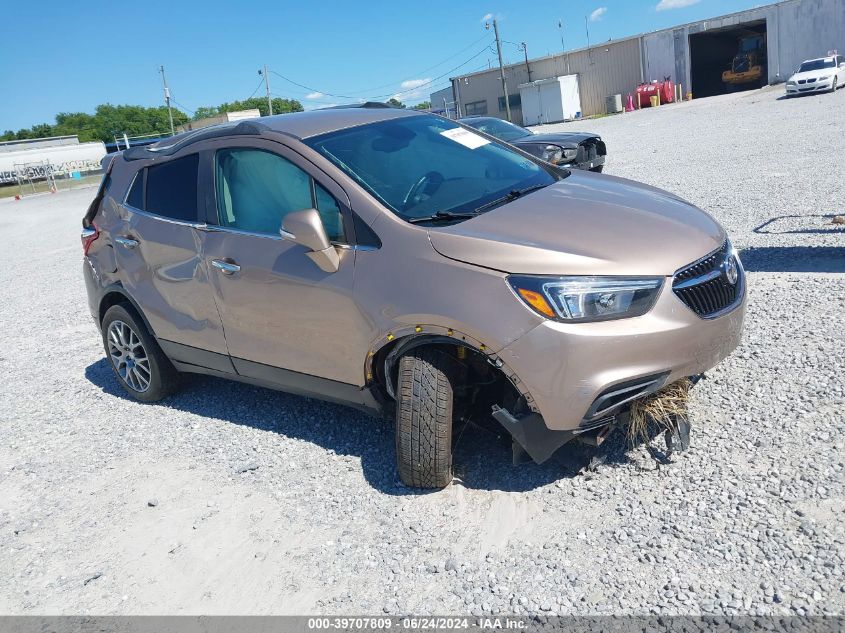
{"type": "Point", "coordinates": [424, 398]}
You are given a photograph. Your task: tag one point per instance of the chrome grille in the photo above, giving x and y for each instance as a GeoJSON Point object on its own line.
{"type": "Point", "coordinates": [704, 285]}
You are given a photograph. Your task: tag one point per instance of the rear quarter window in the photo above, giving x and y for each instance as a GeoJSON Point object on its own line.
{"type": "Point", "coordinates": [136, 193]}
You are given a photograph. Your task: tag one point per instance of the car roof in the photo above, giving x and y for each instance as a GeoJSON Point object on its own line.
{"type": "Point", "coordinates": [300, 125]}
{"type": "Point", "coordinates": [827, 58]}
{"type": "Point", "coordinates": [316, 122]}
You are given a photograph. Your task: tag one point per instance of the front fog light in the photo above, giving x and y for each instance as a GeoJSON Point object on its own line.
{"type": "Point", "coordinates": [587, 298]}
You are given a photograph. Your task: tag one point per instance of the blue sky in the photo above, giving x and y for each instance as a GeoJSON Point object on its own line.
{"type": "Point", "coordinates": [71, 56]}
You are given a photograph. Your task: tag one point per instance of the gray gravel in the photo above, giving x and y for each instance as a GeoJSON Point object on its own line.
{"type": "Point", "coordinates": [233, 499]}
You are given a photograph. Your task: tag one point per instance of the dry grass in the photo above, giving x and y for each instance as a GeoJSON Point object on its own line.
{"type": "Point", "coordinates": [661, 409]}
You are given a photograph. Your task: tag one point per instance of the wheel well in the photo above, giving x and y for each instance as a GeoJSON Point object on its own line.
{"type": "Point", "coordinates": [109, 300]}
{"type": "Point", "coordinates": [116, 297]}
{"type": "Point", "coordinates": [482, 382]}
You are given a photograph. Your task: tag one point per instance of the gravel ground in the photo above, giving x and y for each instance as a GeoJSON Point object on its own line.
{"type": "Point", "coordinates": [233, 499]}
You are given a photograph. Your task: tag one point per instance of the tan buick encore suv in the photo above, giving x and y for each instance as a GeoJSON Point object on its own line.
{"type": "Point", "coordinates": [407, 265]}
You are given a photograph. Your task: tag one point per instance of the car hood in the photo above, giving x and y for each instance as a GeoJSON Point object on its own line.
{"type": "Point", "coordinates": [813, 74]}
{"type": "Point", "coordinates": [585, 224]}
{"type": "Point", "coordinates": [566, 139]}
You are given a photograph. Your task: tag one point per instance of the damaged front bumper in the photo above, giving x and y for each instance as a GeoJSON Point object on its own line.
{"type": "Point", "coordinates": [582, 377]}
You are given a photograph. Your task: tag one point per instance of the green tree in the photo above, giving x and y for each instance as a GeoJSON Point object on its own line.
{"type": "Point", "coordinates": [280, 106]}
{"type": "Point", "coordinates": [109, 120]}
{"type": "Point", "coordinates": [204, 112]}
{"type": "Point", "coordinates": [393, 101]}
{"type": "Point", "coordinates": [425, 105]}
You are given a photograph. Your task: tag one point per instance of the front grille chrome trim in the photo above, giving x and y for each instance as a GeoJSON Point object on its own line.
{"type": "Point", "coordinates": [702, 285]}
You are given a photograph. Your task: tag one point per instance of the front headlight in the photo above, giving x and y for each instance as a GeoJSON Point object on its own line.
{"type": "Point", "coordinates": [552, 154]}
{"type": "Point", "coordinates": [555, 154]}
{"type": "Point", "coordinates": [580, 299]}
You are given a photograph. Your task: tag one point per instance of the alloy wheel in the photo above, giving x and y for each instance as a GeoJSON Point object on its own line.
{"type": "Point", "coordinates": [128, 356]}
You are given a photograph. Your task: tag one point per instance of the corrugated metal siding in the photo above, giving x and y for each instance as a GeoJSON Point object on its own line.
{"type": "Point", "coordinates": [613, 68]}
{"type": "Point", "coordinates": [796, 29]}
{"type": "Point", "coordinates": [659, 55]}
{"type": "Point", "coordinates": [803, 29]}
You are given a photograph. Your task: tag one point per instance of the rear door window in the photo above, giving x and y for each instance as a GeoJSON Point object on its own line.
{"type": "Point", "coordinates": [171, 189]}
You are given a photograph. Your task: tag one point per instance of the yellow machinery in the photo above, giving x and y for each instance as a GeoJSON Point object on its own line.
{"type": "Point", "coordinates": [749, 65]}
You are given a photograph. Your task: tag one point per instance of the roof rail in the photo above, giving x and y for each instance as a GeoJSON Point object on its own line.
{"type": "Point", "coordinates": [173, 144]}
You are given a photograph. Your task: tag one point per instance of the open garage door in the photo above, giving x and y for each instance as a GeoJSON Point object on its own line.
{"type": "Point", "coordinates": [729, 59]}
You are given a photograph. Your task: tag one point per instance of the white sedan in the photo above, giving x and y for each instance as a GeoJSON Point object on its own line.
{"type": "Point", "coordinates": [818, 75]}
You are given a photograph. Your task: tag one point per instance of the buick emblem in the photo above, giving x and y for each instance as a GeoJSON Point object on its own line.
{"type": "Point", "coordinates": [731, 272]}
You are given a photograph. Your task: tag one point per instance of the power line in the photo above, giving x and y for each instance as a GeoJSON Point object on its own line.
{"type": "Point", "coordinates": [425, 70]}
{"type": "Point", "coordinates": [257, 88]}
{"type": "Point", "coordinates": [431, 81]}
{"type": "Point", "coordinates": [185, 108]}
{"type": "Point", "coordinates": [311, 89]}
{"type": "Point", "coordinates": [396, 94]}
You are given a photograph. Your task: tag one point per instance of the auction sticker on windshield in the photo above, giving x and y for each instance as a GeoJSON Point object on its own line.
{"type": "Point", "coordinates": [465, 137]}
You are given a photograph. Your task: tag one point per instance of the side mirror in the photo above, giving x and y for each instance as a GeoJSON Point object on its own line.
{"type": "Point", "coordinates": [306, 229]}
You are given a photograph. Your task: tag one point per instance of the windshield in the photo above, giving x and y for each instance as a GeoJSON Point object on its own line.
{"type": "Point", "coordinates": [498, 128]}
{"type": "Point", "coordinates": [816, 64]}
{"type": "Point", "coordinates": [418, 166]}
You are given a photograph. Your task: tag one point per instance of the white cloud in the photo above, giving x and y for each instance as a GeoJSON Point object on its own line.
{"type": "Point", "coordinates": [314, 95]}
{"type": "Point", "coordinates": [414, 83]}
{"type": "Point", "coordinates": [663, 5]}
{"type": "Point", "coordinates": [597, 15]}
{"type": "Point", "coordinates": [413, 89]}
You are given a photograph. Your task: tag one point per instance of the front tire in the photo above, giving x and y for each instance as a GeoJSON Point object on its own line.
{"type": "Point", "coordinates": [424, 418]}
{"type": "Point", "coordinates": [140, 366]}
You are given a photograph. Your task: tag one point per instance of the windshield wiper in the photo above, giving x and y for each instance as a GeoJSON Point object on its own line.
{"type": "Point", "coordinates": [508, 197]}
{"type": "Point", "coordinates": [442, 216]}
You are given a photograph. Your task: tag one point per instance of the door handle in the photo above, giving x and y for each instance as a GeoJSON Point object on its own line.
{"type": "Point", "coordinates": [227, 268]}
{"type": "Point", "coordinates": [126, 242]}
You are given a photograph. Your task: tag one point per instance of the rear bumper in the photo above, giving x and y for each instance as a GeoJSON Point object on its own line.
{"type": "Point", "coordinates": [567, 367]}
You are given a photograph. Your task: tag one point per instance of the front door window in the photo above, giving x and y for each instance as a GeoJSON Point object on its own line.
{"type": "Point", "coordinates": [257, 189]}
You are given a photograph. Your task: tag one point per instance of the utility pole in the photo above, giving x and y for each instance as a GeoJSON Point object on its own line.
{"type": "Point", "coordinates": [501, 67]}
{"type": "Point", "coordinates": [527, 67]}
{"type": "Point", "coordinates": [587, 28]}
{"type": "Point", "coordinates": [560, 28]}
{"type": "Point", "coordinates": [267, 88]}
{"type": "Point", "coordinates": [167, 99]}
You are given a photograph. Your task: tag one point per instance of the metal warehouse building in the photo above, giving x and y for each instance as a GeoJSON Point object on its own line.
{"type": "Point", "coordinates": [693, 55]}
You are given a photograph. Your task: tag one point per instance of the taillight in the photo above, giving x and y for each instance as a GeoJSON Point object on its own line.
{"type": "Point", "coordinates": [89, 234]}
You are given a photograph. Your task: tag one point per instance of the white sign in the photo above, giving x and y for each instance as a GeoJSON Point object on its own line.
{"type": "Point", "coordinates": [465, 138]}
